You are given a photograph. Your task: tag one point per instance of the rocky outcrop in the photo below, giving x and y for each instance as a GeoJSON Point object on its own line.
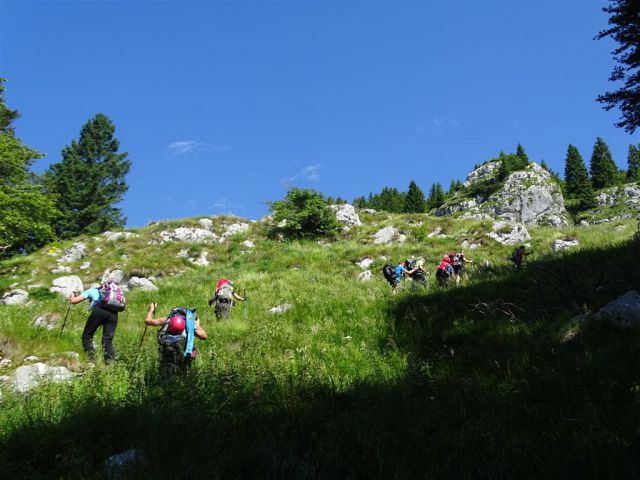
{"type": "Point", "coordinates": [76, 252]}
{"type": "Point", "coordinates": [14, 297]}
{"type": "Point", "coordinates": [144, 284]}
{"type": "Point", "coordinates": [65, 286]}
{"type": "Point", "coordinates": [528, 196]}
{"type": "Point", "coordinates": [188, 235]}
{"type": "Point", "coordinates": [386, 235]}
{"type": "Point", "coordinates": [235, 228]}
{"type": "Point", "coordinates": [205, 223]}
{"type": "Point", "coordinates": [561, 245]}
{"type": "Point", "coordinates": [509, 233]}
{"type": "Point", "coordinates": [117, 276]}
{"type": "Point", "coordinates": [623, 312]}
{"type": "Point", "coordinates": [627, 195]}
{"type": "Point", "coordinates": [365, 263]}
{"type": "Point", "coordinates": [113, 236]}
{"type": "Point", "coordinates": [28, 376]}
{"type": "Point", "coordinates": [346, 214]}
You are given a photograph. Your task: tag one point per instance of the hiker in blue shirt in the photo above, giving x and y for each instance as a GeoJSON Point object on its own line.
{"type": "Point", "coordinates": [400, 269]}
{"type": "Point", "coordinates": [101, 316]}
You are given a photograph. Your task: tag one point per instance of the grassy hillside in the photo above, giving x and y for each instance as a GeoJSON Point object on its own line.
{"type": "Point", "coordinates": [490, 379]}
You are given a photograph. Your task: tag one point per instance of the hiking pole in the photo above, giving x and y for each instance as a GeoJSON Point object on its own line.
{"type": "Point", "coordinates": [66, 315]}
{"type": "Point", "coordinates": [244, 304]}
{"type": "Point", "coordinates": [144, 333]}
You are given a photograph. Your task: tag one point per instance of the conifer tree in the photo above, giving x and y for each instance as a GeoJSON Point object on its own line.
{"type": "Point", "coordinates": [436, 196]}
{"type": "Point", "coordinates": [90, 180]}
{"type": "Point", "coordinates": [414, 201]}
{"type": "Point", "coordinates": [603, 169]}
{"type": "Point", "coordinates": [522, 156]}
{"type": "Point", "coordinates": [577, 182]}
{"type": "Point", "coordinates": [633, 162]}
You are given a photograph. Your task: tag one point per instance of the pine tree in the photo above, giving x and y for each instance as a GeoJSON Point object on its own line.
{"type": "Point", "coordinates": [633, 162]}
{"type": "Point", "coordinates": [522, 156]}
{"type": "Point", "coordinates": [625, 30]}
{"type": "Point", "coordinates": [27, 212]}
{"type": "Point", "coordinates": [436, 196]}
{"type": "Point", "coordinates": [603, 169]}
{"type": "Point", "coordinates": [414, 201]}
{"type": "Point", "coordinates": [577, 184]}
{"type": "Point", "coordinates": [90, 180]}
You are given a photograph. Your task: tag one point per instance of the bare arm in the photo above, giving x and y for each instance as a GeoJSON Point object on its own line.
{"type": "Point", "coordinates": [200, 333]}
{"type": "Point", "coordinates": [149, 320]}
{"type": "Point", "coordinates": [238, 297]}
{"type": "Point", "coordinates": [75, 299]}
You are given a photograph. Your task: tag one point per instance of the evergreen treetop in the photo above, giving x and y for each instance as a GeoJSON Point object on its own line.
{"type": "Point", "coordinates": [604, 172]}
{"type": "Point", "coordinates": [633, 163]}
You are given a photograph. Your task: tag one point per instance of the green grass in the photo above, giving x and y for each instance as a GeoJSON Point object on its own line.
{"type": "Point", "coordinates": [352, 382]}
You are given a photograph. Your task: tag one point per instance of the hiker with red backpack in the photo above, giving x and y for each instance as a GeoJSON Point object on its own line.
{"type": "Point", "coordinates": [176, 337]}
{"type": "Point", "coordinates": [224, 298]}
{"type": "Point", "coordinates": [106, 302]}
{"type": "Point", "coordinates": [445, 269]}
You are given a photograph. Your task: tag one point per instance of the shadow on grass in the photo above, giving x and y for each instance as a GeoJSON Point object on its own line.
{"type": "Point", "coordinates": [490, 391]}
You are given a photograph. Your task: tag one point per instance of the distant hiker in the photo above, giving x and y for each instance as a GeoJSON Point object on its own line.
{"type": "Point", "coordinates": [458, 264]}
{"type": "Point", "coordinates": [106, 302]}
{"type": "Point", "coordinates": [419, 275]}
{"type": "Point", "coordinates": [176, 338]}
{"type": "Point", "coordinates": [517, 256]}
{"type": "Point", "coordinates": [399, 270]}
{"type": "Point", "coordinates": [389, 273]}
{"type": "Point", "coordinates": [445, 269]}
{"type": "Point", "coordinates": [224, 298]}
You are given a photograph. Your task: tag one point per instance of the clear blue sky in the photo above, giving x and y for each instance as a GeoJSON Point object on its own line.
{"type": "Point", "coordinates": [223, 105]}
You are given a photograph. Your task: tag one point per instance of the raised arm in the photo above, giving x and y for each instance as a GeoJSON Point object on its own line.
{"type": "Point", "coordinates": [149, 320]}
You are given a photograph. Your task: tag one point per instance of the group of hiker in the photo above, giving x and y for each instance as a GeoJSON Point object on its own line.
{"type": "Point", "coordinates": [452, 268]}
{"type": "Point", "coordinates": [177, 331]}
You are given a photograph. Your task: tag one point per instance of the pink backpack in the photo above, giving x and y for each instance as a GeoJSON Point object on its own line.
{"type": "Point", "coordinates": [111, 297]}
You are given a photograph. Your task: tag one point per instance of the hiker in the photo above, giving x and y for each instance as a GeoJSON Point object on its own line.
{"type": "Point", "coordinates": [445, 269]}
{"type": "Point", "coordinates": [458, 264]}
{"type": "Point", "coordinates": [176, 338]}
{"type": "Point", "coordinates": [399, 270]}
{"type": "Point", "coordinates": [224, 298]}
{"type": "Point", "coordinates": [389, 273]}
{"type": "Point", "coordinates": [106, 302]}
{"type": "Point", "coordinates": [419, 275]}
{"type": "Point", "coordinates": [517, 257]}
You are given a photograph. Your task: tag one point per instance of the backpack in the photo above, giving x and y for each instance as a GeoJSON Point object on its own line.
{"type": "Point", "coordinates": [173, 342]}
{"type": "Point", "coordinates": [389, 272]}
{"type": "Point", "coordinates": [111, 297]}
{"type": "Point", "coordinates": [410, 264]}
{"type": "Point", "coordinates": [225, 292]}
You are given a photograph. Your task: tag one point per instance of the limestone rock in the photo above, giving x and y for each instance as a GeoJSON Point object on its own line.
{"type": "Point", "coordinates": [402, 238]}
{"type": "Point", "coordinates": [248, 244]}
{"type": "Point", "coordinates": [201, 261]}
{"type": "Point", "coordinates": [14, 297]}
{"type": "Point", "coordinates": [206, 223]}
{"type": "Point", "coordinates": [235, 228]}
{"type": "Point", "coordinates": [365, 276]}
{"type": "Point", "coordinates": [28, 376]}
{"type": "Point", "coordinates": [188, 235]}
{"type": "Point", "coordinates": [560, 245]}
{"type": "Point", "coordinates": [65, 286]}
{"type": "Point", "coordinates": [5, 363]}
{"type": "Point", "coordinates": [346, 214]}
{"type": "Point", "coordinates": [117, 276]}
{"type": "Point", "coordinates": [112, 236]}
{"type": "Point", "coordinates": [76, 252]}
{"type": "Point", "coordinates": [281, 308]}
{"type": "Point", "coordinates": [483, 172]}
{"type": "Point", "coordinates": [61, 269]}
{"type": "Point", "coordinates": [365, 263]}
{"type": "Point", "coordinates": [624, 311]}
{"type": "Point", "coordinates": [509, 233]}
{"type": "Point", "coordinates": [85, 266]}
{"type": "Point", "coordinates": [437, 232]}
{"type": "Point", "coordinates": [385, 235]}
{"type": "Point", "coordinates": [368, 210]}
{"type": "Point", "coordinates": [144, 284]}
{"type": "Point", "coordinates": [119, 466]}
{"type": "Point", "coordinates": [48, 321]}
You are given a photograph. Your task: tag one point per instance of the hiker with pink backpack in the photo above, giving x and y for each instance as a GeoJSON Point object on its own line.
{"type": "Point", "coordinates": [106, 302]}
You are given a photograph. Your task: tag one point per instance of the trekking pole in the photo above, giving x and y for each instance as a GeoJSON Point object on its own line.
{"type": "Point", "coordinates": [66, 315]}
{"type": "Point", "coordinates": [144, 333]}
{"type": "Point", "coordinates": [244, 304]}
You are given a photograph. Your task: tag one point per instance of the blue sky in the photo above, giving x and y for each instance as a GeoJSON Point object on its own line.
{"type": "Point", "coordinates": [222, 106]}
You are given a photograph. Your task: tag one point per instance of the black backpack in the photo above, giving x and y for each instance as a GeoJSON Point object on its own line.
{"type": "Point", "coordinates": [389, 272]}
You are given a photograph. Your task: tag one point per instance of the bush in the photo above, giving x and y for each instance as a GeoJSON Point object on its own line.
{"type": "Point", "coordinates": [304, 213]}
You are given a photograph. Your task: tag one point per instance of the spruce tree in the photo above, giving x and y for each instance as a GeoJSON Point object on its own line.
{"type": "Point", "coordinates": [436, 196]}
{"type": "Point", "coordinates": [414, 201]}
{"type": "Point", "coordinates": [90, 180]}
{"type": "Point", "coordinates": [522, 156]}
{"type": "Point", "coordinates": [633, 163]}
{"type": "Point", "coordinates": [603, 169]}
{"type": "Point", "coordinates": [575, 171]}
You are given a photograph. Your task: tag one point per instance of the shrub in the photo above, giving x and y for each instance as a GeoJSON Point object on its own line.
{"type": "Point", "coordinates": [304, 213]}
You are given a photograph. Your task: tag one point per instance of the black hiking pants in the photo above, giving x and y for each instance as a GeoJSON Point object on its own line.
{"type": "Point", "coordinates": [108, 321]}
{"type": "Point", "coordinates": [223, 308]}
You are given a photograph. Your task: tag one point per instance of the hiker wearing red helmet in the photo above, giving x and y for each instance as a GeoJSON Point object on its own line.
{"type": "Point", "coordinates": [173, 339]}
{"type": "Point", "coordinates": [224, 298]}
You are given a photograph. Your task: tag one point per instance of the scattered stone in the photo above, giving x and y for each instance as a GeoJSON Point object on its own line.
{"type": "Point", "coordinates": [76, 252]}
{"type": "Point", "coordinates": [28, 376]}
{"type": "Point", "coordinates": [346, 214]}
{"type": "Point", "coordinates": [365, 263]}
{"type": "Point", "coordinates": [206, 223]}
{"type": "Point", "coordinates": [14, 297]}
{"type": "Point", "coordinates": [112, 236]}
{"type": "Point", "coordinates": [509, 233]}
{"type": "Point", "coordinates": [365, 276]}
{"type": "Point", "coordinates": [560, 245]}
{"type": "Point", "coordinates": [402, 238]}
{"type": "Point", "coordinates": [437, 232]}
{"type": "Point", "coordinates": [98, 250]}
{"type": "Point", "coordinates": [368, 210]}
{"type": "Point", "coordinates": [85, 265]}
{"type": "Point", "coordinates": [184, 253]}
{"type": "Point", "coordinates": [5, 363]}
{"type": "Point", "coordinates": [188, 235]}
{"type": "Point", "coordinates": [65, 286]}
{"type": "Point", "coordinates": [48, 321]}
{"type": "Point", "coordinates": [281, 308]}
{"type": "Point", "coordinates": [117, 276]}
{"type": "Point", "coordinates": [119, 466]}
{"type": "Point", "coordinates": [584, 223]}
{"type": "Point", "coordinates": [32, 358]}
{"type": "Point", "coordinates": [385, 235]}
{"type": "Point", "coordinates": [5, 378]}
{"type": "Point", "coordinates": [31, 286]}
{"type": "Point", "coordinates": [248, 244]}
{"type": "Point", "coordinates": [141, 283]}
{"type": "Point", "coordinates": [61, 269]}
{"type": "Point", "coordinates": [624, 311]}
{"type": "Point", "coordinates": [235, 228]}
{"type": "Point", "coordinates": [201, 261]}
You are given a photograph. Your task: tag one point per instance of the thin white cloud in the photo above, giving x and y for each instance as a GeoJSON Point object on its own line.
{"type": "Point", "coordinates": [308, 173]}
{"type": "Point", "coordinates": [224, 205]}
{"type": "Point", "coordinates": [180, 147]}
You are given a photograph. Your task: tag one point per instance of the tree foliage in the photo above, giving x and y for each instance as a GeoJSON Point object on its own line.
{"type": "Point", "coordinates": [577, 183]}
{"type": "Point", "coordinates": [512, 163]}
{"type": "Point", "coordinates": [90, 180]}
{"type": "Point", "coordinates": [624, 29]}
{"type": "Point", "coordinates": [604, 172]}
{"type": "Point", "coordinates": [436, 196]}
{"type": "Point", "coordinates": [27, 212]}
{"type": "Point", "coordinates": [633, 163]}
{"type": "Point", "coordinates": [414, 201]}
{"type": "Point", "coordinates": [304, 213]}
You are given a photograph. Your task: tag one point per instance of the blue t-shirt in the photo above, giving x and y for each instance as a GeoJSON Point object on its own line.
{"type": "Point", "coordinates": [94, 295]}
{"type": "Point", "coordinates": [399, 270]}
